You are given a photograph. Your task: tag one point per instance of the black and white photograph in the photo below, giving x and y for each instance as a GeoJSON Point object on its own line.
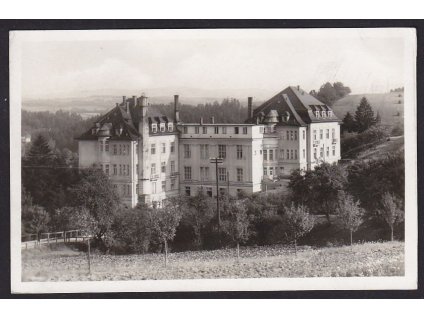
{"type": "Point", "coordinates": [213, 160]}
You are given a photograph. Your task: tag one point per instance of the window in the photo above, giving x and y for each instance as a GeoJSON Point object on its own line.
{"type": "Point", "coordinates": [153, 169]}
{"type": "Point", "coordinates": [204, 151]}
{"type": "Point", "coordinates": [288, 154]}
{"type": "Point", "coordinates": [163, 167]}
{"type": "Point", "coordinates": [163, 186]}
{"type": "Point", "coordinates": [317, 113]}
{"type": "Point", "coordinates": [107, 169]}
{"type": "Point", "coordinates": [163, 147]}
{"type": "Point", "coordinates": [216, 130]}
{"type": "Point", "coordinates": [115, 170]}
{"type": "Point", "coordinates": [330, 113]}
{"type": "Point", "coordinates": [244, 130]}
{"type": "Point", "coordinates": [304, 154]}
{"type": "Point", "coordinates": [154, 128]}
{"type": "Point", "coordinates": [222, 174]}
{"type": "Point", "coordinates": [162, 127]}
{"type": "Point", "coordinates": [187, 173]}
{"type": "Point", "coordinates": [224, 130]}
{"type": "Point", "coordinates": [271, 154]}
{"type": "Point", "coordinates": [153, 149]}
{"type": "Point", "coordinates": [120, 149]}
{"type": "Point", "coordinates": [209, 191]}
{"type": "Point", "coordinates": [196, 129]}
{"type": "Point", "coordinates": [303, 134]}
{"type": "Point", "coordinates": [323, 113]}
{"type": "Point", "coordinates": [236, 130]}
{"type": "Point", "coordinates": [239, 152]}
{"type": "Point", "coordinates": [222, 191]}
{"type": "Point", "coordinates": [204, 130]}
{"type": "Point", "coordinates": [185, 130]}
{"type": "Point", "coordinates": [328, 151]}
{"type": "Point", "coordinates": [187, 191]}
{"type": "Point", "coordinates": [271, 171]}
{"type": "Point", "coordinates": [153, 187]}
{"type": "Point", "coordinates": [295, 135]}
{"type": "Point", "coordinates": [265, 171]}
{"type": "Point", "coordinates": [295, 154]}
{"type": "Point", "coordinates": [315, 153]}
{"type": "Point", "coordinates": [170, 127]}
{"type": "Point", "coordinates": [291, 135]}
{"type": "Point", "coordinates": [101, 146]}
{"type": "Point", "coordinates": [222, 151]}
{"type": "Point", "coordinates": [107, 145]}
{"type": "Point", "coordinates": [128, 170]}
{"type": "Point", "coordinates": [281, 153]}
{"type": "Point", "coordinates": [172, 184]}
{"type": "Point", "coordinates": [327, 134]}
{"type": "Point", "coordinates": [333, 133]}
{"type": "Point", "coordinates": [334, 150]}
{"type": "Point", "coordinates": [172, 166]}
{"type": "Point", "coordinates": [115, 149]}
{"type": "Point", "coordinates": [265, 155]}
{"type": "Point", "coordinates": [136, 168]}
{"type": "Point", "coordinates": [321, 152]}
{"type": "Point", "coordinates": [120, 170]}
{"type": "Point", "coordinates": [287, 135]}
{"type": "Point", "coordinates": [320, 134]}
{"type": "Point", "coordinates": [187, 151]}
{"type": "Point", "coordinates": [172, 146]}
{"type": "Point", "coordinates": [204, 173]}
{"type": "Point", "coordinates": [124, 170]}
{"type": "Point", "coordinates": [315, 134]}
{"type": "Point", "coordinates": [239, 174]}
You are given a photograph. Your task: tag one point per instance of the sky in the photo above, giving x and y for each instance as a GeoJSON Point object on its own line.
{"type": "Point", "coordinates": [81, 63]}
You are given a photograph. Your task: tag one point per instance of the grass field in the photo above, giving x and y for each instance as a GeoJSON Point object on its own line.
{"type": "Point", "coordinates": [368, 259]}
{"type": "Point", "coordinates": [387, 104]}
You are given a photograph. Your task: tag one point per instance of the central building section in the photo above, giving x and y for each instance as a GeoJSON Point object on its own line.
{"type": "Point", "coordinates": [238, 145]}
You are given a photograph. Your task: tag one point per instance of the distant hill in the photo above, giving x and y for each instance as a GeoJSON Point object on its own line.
{"type": "Point", "coordinates": [391, 111]}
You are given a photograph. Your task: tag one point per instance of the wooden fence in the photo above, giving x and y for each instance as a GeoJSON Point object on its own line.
{"type": "Point", "coordinates": [35, 240]}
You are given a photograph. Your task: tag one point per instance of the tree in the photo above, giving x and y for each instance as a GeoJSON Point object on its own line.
{"type": "Point", "coordinates": [95, 192]}
{"type": "Point", "coordinates": [318, 189]}
{"type": "Point", "coordinates": [34, 218]}
{"type": "Point", "coordinates": [165, 221]}
{"type": "Point", "coordinates": [298, 221]}
{"type": "Point", "coordinates": [378, 118]}
{"type": "Point", "coordinates": [341, 90]}
{"type": "Point", "coordinates": [330, 93]}
{"type": "Point", "coordinates": [349, 214]}
{"type": "Point", "coordinates": [236, 224]}
{"type": "Point", "coordinates": [199, 213]}
{"type": "Point", "coordinates": [391, 212]}
{"type": "Point", "coordinates": [364, 116]}
{"type": "Point", "coordinates": [348, 123]}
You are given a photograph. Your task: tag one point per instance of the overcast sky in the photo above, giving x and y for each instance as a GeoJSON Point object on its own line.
{"type": "Point", "coordinates": [79, 63]}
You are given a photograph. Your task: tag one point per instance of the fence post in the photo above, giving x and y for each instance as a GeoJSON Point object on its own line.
{"type": "Point", "coordinates": [48, 239]}
{"type": "Point", "coordinates": [64, 237]}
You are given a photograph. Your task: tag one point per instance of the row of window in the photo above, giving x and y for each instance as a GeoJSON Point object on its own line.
{"type": "Point", "coordinates": [289, 154]}
{"type": "Point", "coordinates": [323, 113]}
{"type": "Point", "coordinates": [327, 134]}
{"type": "Point", "coordinates": [162, 167]}
{"type": "Point", "coordinates": [162, 147]}
{"type": "Point", "coordinates": [209, 190]}
{"type": "Point", "coordinates": [117, 149]}
{"type": "Point", "coordinates": [163, 184]}
{"type": "Point", "coordinates": [222, 151]}
{"type": "Point", "coordinates": [204, 174]}
{"type": "Point", "coordinates": [117, 170]}
{"type": "Point", "coordinates": [216, 129]}
{"type": "Point", "coordinates": [123, 189]}
{"type": "Point", "coordinates": [162, 127]}
{"type": "Point", "coordinates": [327, 152]}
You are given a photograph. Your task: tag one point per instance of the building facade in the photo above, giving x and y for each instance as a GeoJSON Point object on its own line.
{"type": "Point", "coordinates": [150, 157]}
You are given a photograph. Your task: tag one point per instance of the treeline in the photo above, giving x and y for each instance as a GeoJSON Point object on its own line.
{"type": "Point", "coordinates": [59, 128]}
{"type": "Point", "coordinates": [330, 93]}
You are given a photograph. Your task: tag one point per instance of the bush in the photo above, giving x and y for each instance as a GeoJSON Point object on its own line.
{"type": "Point", "coordinates": [352, 146]}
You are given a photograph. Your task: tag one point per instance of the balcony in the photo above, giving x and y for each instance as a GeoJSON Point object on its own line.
{"type": "Point", "coordinates": [154, 177]}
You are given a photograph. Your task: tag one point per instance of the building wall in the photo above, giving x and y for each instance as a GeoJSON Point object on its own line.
{"type": "Point", "coordinates": [325, 142]}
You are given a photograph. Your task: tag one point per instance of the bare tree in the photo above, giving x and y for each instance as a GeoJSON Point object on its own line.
{"type": "Point", "coordinates": [391, 211]}
{"type": "Point", "coordinates": [349, 214]}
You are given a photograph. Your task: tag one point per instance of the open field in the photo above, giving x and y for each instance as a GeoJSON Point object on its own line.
{"type": "Point", "coordinates": [368, 259]}
{"type": "Point", "coordinates": [387, 104]}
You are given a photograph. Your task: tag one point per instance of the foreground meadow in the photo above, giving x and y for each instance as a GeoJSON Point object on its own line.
{"type": "Point", "coordinates": [368, 259]}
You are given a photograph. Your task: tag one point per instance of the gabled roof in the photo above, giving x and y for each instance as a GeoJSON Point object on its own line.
{"type": "Point", "coordinates": [297, 104]}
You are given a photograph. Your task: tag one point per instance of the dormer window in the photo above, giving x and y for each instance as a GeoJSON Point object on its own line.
{"type": "Point", "coordinates": [323, 113]}
{"type": "Point", "coordinates": [162, 127]}
{"type": "Point", "coordinates": [317, 113]}
{"type": "Point", "coordinates": [154, 128]}
{"type": "Point", "coordinates": [170, 127]}
{"type": "Point", "coordinates": [330, 113]}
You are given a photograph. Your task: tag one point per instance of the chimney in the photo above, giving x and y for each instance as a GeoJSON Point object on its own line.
{"type": "Point", "coordinates": [298, 87]}
{"type": "Point", "coordinates": [176, 109]}
{"type": "Point", "coordinates": [134, 101]}
{"type": "Point", "coordinates": [213, 120]}
{"type": "Point", "coordinates": [127, 106]}
{"type": "Point", "coordinates": [124, 99]}
{"type": "Point", "coordinates": [117, 104]}
{"type": "Point", "coordinates": [143, 105]}
{"type": "Point", "coordinates": [249, 107]}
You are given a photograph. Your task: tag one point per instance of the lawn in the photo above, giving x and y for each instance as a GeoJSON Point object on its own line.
{"type": "Point", "coordinates": [368, 259]}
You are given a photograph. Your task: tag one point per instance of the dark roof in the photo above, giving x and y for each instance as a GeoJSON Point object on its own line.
{"type": "Point", "coordinates": [294, 107]}
{"type": "Point", "coordinates": [121, 123]}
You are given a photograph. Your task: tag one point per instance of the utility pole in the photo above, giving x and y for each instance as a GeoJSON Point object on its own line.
{"type": "Point", "coordinates": [216, 161]}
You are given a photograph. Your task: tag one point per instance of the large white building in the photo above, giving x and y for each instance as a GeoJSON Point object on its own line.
{"type": "Point", "coordinates": [150, 157]}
